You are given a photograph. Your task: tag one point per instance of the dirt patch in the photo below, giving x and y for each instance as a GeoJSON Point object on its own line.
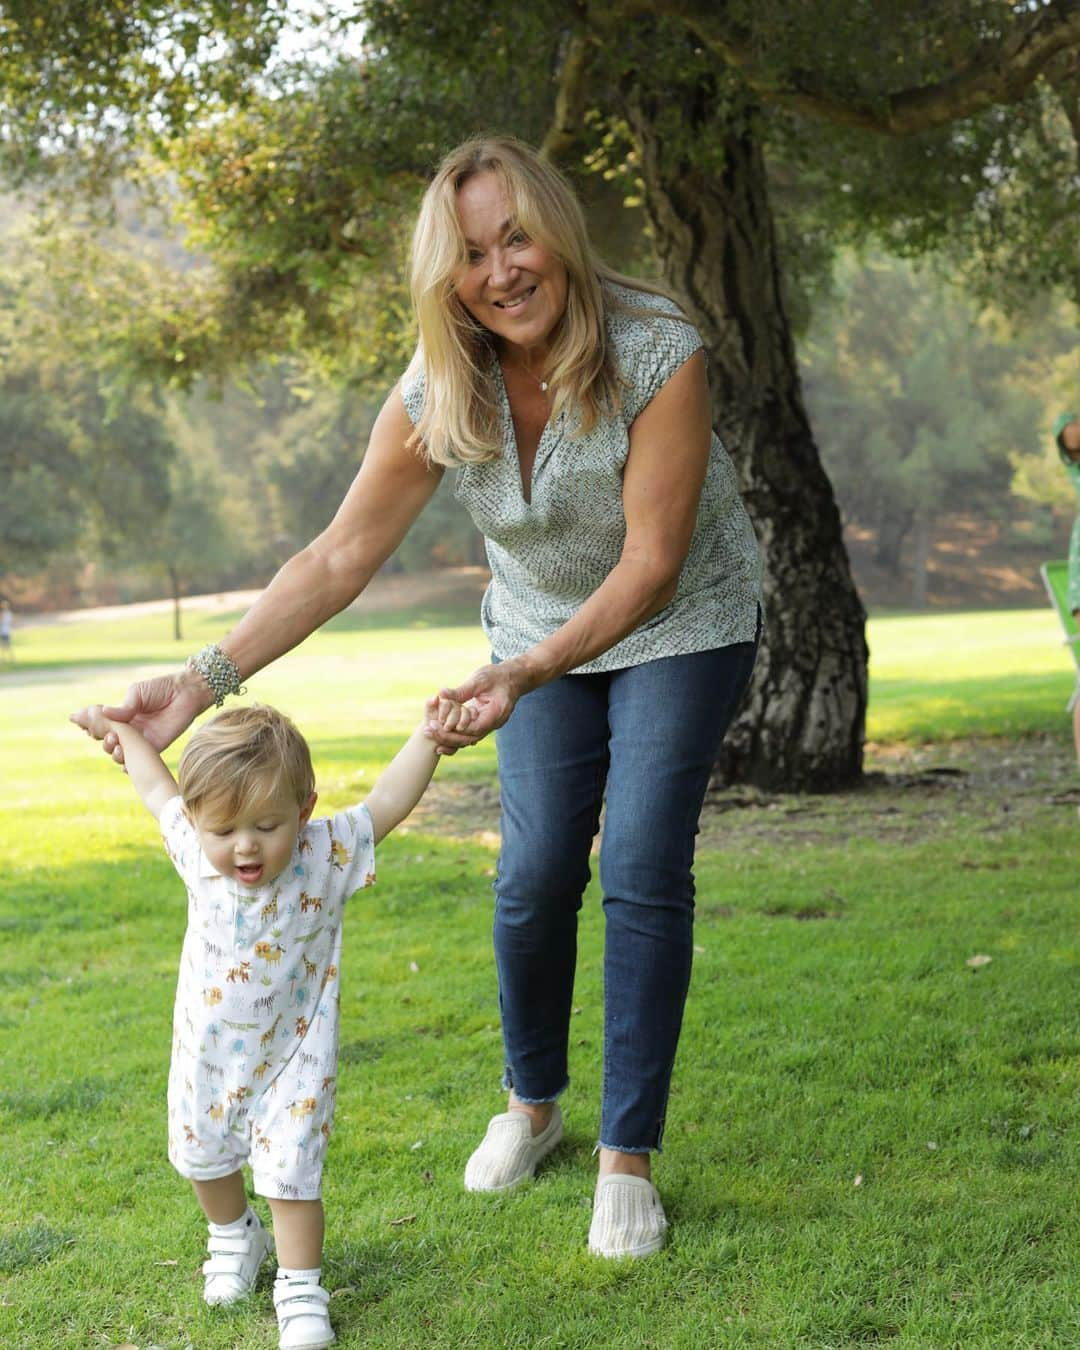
{"type": "Point", "coordinates": [909, 795]}
{"type": "Point", "coordinates": [973, 564]}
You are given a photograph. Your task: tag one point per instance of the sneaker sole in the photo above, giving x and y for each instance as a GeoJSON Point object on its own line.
{"type": "Point", "coordinates": [646, 1249]}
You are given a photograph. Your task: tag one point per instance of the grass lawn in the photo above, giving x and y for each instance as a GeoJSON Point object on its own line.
{"type": "Point", "coordinates": [869, 1139]}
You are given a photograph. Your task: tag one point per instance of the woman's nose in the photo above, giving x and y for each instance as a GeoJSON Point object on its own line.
{"type": "Point", "coordinates": [502, 268]}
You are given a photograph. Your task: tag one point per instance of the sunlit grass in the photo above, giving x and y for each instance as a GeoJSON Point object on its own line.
{"type": "Point", "coordinates": [868, 1140]}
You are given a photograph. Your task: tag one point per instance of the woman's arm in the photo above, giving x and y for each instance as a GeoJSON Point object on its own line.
{"type": "Point", "coordinates": [393, 486]}
{"type": "Point", "coordinates": [665, 470]}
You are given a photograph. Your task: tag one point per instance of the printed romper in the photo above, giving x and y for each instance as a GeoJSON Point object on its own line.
{"type": "Point", "coordinates": [255, 1026]}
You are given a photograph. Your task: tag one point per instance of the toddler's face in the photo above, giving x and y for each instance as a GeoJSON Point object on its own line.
{"type": "Point", "coordinates": [255, 845]}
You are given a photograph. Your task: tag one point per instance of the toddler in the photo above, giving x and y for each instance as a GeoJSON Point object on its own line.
{"type": "Point", "coordinates": [255, 1027]}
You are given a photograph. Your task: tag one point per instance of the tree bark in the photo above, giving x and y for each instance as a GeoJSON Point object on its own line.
{"type": "Point", "coordinates": [802, 724]}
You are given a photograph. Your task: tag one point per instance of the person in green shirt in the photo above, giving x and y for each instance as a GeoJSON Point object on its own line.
{"type": "Point", "coordinates": [1067, 437]}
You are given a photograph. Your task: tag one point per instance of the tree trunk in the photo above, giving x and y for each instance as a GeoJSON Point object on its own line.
{"type": "Point", "coordinates": [922, 559]}
{"type": "Point", "coordinates": [892, 530]}
{"type": "Point", "coordinates": [174, 579]}
{"type": "Point", "coordinates": [802, 724]}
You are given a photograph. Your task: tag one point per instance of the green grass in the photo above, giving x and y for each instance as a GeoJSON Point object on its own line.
{"type": "Point", "coordinates": [946, 677]}
{"type": "Point", "coordinates": [856, 1045]}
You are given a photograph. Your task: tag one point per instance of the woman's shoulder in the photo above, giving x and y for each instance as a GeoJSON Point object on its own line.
{"type": "Point", "coordinates": [641, 321]}
{"type": "Point", "coordinates": [651, 338]}
{"type": "Point", "coordinates": [628, 308]}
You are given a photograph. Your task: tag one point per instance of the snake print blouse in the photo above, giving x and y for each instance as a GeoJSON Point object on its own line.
{"type": "Point", "coordinates": [549, 554]}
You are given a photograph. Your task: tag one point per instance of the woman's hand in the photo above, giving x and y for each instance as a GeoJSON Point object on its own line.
{"type": "Point", "coordinates": [161, 708]}
{"type": "Point", "coordinates": [488, 697]}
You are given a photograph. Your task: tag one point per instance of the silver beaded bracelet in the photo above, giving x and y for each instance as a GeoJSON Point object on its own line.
{"type": "Point", "coordinates": [218, 670]}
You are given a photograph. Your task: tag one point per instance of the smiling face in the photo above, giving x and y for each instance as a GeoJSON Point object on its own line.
{"type": "Point", "coordinates": [254, 844]}
{"type": "Point", "coordinates": [517, 288]}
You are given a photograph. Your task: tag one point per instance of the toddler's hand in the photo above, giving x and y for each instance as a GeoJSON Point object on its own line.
{"type": "Point", "coordinates": [446, 714]}
{"type": "Point", "coordinates": [92, 720]}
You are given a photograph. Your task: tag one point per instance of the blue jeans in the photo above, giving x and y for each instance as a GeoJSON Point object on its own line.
{"type": "Point", "coordinates": [648, 735]}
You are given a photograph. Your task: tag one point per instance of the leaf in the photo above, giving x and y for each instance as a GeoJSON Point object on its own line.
{"type": "Point", "coordinates": [405, 1218]}
{"type": "Point", "coordinates": [976, 962]}
{"type": "Point", "coordinates": [414, 968]}
{"type": "Point", "coordinates": [858, 1180]}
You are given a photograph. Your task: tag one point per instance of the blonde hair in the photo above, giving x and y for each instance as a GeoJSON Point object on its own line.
{"type": "Point", "coordinates": [241, 757]}
{"type": "Point", "coordinates": [461, 421]}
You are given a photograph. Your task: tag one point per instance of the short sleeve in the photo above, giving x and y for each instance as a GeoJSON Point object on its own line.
{"type": "Point", "coordinates": [181, 841]}
{"type": "Point", "coordinates": [655, 348]}
{"type": "Point", "coordinates": [349, 841]}
{"type": "Point", "coordinates": [413, 386]}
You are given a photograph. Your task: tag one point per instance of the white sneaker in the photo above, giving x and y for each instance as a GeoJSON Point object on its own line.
{"type": "Point", "coordinates": [509, 1152]}
{"type": "Point", "coordinates": [303, 1315]}
{"type": "Point", "coordinates": [234, 1260]}
{"type": "Point", "coordinates": [628, 1218]}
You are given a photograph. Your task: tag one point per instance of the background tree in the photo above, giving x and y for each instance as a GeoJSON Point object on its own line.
{"type": "Point", "coordinates": [189, 540]}
{"type": "Point", "coordinates": [919, 416]}
{"type": "Point", "coordinates": [757, 134]}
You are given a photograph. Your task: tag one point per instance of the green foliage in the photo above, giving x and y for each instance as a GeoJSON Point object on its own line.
{"type": "Point", "coordinates": [69, 468]}
{"type": "Point", "coordinates": [921, 404]}
{"type": "Point", "coordinates": [81, 80]}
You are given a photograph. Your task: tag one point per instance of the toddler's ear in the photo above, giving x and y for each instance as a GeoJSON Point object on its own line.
{"type": "Point", "coordinates": [307, 808]}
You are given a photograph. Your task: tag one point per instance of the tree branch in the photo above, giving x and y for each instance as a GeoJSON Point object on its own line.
{"type": "Point", "coordinates": [998, 72]}
{"type": "Point", "coordinates": [565, 127]}
{"type": "Point", "coordinates": [1064, 78]}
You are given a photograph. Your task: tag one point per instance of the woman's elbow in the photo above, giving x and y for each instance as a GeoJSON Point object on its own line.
{"type": "Point", "coordinates": [658, 575]}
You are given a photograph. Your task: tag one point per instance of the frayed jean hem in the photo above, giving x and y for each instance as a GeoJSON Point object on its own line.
{"type": "Point", "coordinates": [622, 1148]}
{"type": "Point", "coordinates": [508, 1086]}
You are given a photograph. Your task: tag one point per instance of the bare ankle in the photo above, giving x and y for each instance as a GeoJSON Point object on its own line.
{"type": "Point", "coordinates": [625, 1164]}
{"type": "Point", "coordinates": [539, 1113]}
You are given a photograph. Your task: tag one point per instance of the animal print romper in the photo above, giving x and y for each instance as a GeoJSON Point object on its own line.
{"type": "Point", "coordinates": [255, 1026]}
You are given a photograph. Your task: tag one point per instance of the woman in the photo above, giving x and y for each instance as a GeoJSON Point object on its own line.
{"type": "Point", "coordinates": [1067, 439]}
{"type": "Point", "coordinates": [622, 616]}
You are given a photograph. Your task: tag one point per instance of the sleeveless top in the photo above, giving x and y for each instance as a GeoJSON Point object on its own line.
{"type": "Point", "coordinates": [548, 555]}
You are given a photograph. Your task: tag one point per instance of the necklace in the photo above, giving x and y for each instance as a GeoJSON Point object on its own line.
{"type": "Point", "coordinates": [525, 369]}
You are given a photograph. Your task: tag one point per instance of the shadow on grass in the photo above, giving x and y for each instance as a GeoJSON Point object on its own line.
{"type": "Point", "coordinates": [30, 1245]}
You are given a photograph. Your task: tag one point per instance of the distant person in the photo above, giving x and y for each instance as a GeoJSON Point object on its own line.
{"type": "Point", "coordinates": [573, 405]}
{"type": "Point", "coordinates": [7, 650]}
{"type": "Point", "coordinates": [1067, 437]}
{"type": "Point", "coordinates": [255, 1027]}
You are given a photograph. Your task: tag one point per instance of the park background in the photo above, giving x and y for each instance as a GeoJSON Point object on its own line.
{"type": "Point", "coordinates": [873, 1131]}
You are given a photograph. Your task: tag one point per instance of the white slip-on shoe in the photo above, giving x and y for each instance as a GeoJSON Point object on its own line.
{"type": "Point", "coordinates": [234, 1260]}
{"type": "Point", "coordinates": [628, 1218]}
{"type": "Point", "coordinates": [303, 1315]}
{"type": "Point", "coordinates": [509, 1152]}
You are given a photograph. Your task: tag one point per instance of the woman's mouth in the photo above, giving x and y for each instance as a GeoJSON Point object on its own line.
{"type": "Point", "coordinates": [517, 302]}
